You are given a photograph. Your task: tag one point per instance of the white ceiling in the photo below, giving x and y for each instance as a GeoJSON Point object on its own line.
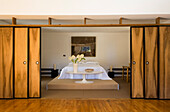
{"type": "Point", "coordinates": [80, 17]}
{"type": "Point", "coordinates": [83, 7]}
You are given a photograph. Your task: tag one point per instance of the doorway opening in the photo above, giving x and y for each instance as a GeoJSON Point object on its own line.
{"type": "Point", "coordinates": [112, 54]}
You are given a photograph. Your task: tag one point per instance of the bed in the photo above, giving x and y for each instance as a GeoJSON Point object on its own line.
{"type": "Point", "coordinates": [82, 67]}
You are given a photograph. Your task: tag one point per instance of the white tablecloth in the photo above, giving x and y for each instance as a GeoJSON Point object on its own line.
{"type": "Point", "coordinates": [82, 67]}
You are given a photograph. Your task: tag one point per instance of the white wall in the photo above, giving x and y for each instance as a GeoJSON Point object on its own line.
{"type": "Point", "coordinates": [111, 48]}
{"type": "Point", "coordinates": [83, 7]}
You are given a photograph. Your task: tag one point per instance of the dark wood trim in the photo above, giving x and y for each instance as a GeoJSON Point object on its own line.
{"type": "Point", "coordinates": [40, 62]}
{"type": "Point", "coordinates": [131, 62]}
{"type": "Point", "coordinates": [144, 46]}
{"type": "Point", "coordinates": [158, 61]}
{"type": "Point", "coordinates": [28, 58]}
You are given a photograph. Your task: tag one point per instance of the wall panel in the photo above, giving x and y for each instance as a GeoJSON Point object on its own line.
{"type": "Point", "coordinates": [137, 62]}
{"type": "Point", "coordinates": [151, 62]}
{"type": "Point", "coordinates": [6, 62]}
{"type": "Point", "coordinates": [34, 62]}
{"type": "Point", "coordinates": [21, 63]}
{"type": "Point", "coordinates": [164, 62]}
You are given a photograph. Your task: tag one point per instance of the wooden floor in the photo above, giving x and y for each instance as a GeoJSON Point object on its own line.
{"type": "Point", "coordinates": [84, 105]}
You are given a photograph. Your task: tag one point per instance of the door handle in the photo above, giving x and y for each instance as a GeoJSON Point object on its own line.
{"type": "Point", "coordinates": [134, 62]}
{"type": "Point", "coordinates": [24, 62]}
{"type": "Point", "coordinates": [37, 62]}
{"type": "Point", "coordinates": [147, 62]}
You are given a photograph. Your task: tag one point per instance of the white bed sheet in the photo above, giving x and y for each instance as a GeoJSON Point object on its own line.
{"type": "Point", "coordinates": [82, 67]}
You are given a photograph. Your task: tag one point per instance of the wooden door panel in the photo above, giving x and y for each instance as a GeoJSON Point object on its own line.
{"type": "Point", "coordinates": [34, 62]}
{"type": "Point", "coordinates": [164, 63]}
{"type": "Point", "coordinates": [6, 62]}
{"type": "Point", "coordinates": [21, 72]}
{"type": "Point", "coordinates": [137, 63]}
{"type": "Point", "coordinates": [151, 56]}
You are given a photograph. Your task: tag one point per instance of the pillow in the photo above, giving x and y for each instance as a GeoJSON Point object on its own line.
{"type": "Point", "coordinates": [92, 62]}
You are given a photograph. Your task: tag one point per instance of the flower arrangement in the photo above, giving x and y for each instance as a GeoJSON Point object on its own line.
{"type": "Point", "coordinates": [76, 59]}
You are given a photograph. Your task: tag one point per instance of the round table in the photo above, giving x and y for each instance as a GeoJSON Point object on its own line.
{"type": "Point", "coordinates": [84, 75]}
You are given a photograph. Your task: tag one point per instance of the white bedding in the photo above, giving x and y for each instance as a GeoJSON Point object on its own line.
{"type": "Point", "coordinates": [82, 67]}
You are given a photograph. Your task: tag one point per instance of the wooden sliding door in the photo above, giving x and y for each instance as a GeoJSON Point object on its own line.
{"type": "Point", "coordinates": [34, 62]}
{"type": "Point", "coordinates": [6, 62]}
{"type": "Point", "coordinates": [21, 63]}
{"type": "Point", "coordinates": [164, 62]}
{"type": "Point", "coordinates": [151, 62]}
{"type": "Point", "coordinates": [137, 62]}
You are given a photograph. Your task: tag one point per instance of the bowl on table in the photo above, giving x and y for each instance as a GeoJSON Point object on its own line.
{"type": "Point", "coordinates": [89, 70]}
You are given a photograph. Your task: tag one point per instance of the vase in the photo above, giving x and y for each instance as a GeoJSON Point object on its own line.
{"type": "Point", "coordinates": [75, 67]}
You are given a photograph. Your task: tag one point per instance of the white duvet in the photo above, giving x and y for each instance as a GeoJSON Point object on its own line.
{"type": "Point", "coordinates": [82, 67]}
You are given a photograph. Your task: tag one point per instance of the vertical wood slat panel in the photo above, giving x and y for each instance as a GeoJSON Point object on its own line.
{"type": "Point", "coordinates": [34, 56]}
{"type": "Point", "coordinates": [151, 55]}
{"type": "Point", "coordinates": [6, 62]}
{"type": "Point", "coordinates": [21, 72]}
{"type": "Point", "coordinates": [164, 63]}
{"type": "Point", "coordinates": [137, 68]}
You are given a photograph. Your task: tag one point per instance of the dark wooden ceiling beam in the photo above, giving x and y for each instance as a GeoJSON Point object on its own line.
{"type": "Point", "coordinates": [120, 20]}
{"type": "Point", "coordinates": [49, 21]}
{"type": "Point", "coordinates": [158, 20]}
{"type": "Point", "coordinates": [88, 25]}
{"type": "Point", "coordinates": [85, 20]}
{"type": "Point", "coordinates": [14, 21]}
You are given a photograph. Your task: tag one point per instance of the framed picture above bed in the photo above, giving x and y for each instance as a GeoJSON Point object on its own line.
{"type": "Point", "coordinates": [83, 45]}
